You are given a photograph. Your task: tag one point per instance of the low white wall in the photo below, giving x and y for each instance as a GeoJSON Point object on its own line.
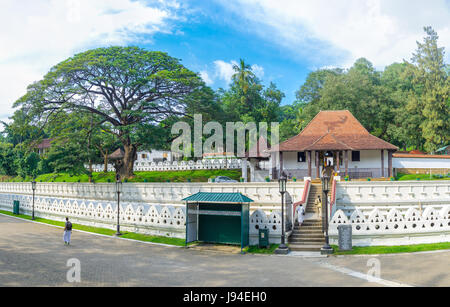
{"type": "Point", "coordinates": [264, 194]}
{"type": "Point", "coordinates": [393, 213]}
{"type": "Point", "coordinates": [149, 208]}
{"type": "Point", "coordinates": [425, 163]}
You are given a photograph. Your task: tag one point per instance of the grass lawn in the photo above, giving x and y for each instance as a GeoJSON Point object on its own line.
{"type": "Point", "coordinates": [403, 177]}
{"type": "Point", "coordinates": [172, 176]}
{"type": "Point", "coordinates": [106, 232]}
{"type": "Point", "coordinates": [372, 250]}
{"type": "Point", "coordinates": [257, 250]}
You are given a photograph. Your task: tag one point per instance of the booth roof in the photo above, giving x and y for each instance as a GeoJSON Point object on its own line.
{"type": "Point", "coordinates": [205, 197]}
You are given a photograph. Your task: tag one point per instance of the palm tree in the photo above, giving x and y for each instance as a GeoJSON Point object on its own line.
{"type": "Point", "coordinates": [244, 76]}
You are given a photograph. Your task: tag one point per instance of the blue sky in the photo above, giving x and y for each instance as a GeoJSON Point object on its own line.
{"type": "Point", "coordinates": [283, 39]}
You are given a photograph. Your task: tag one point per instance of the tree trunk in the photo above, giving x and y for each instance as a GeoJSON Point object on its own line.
{"type": "Point", "coordinates": [126, 167]}
{"type": "Point", "coordinates": [90, 166]}
{"type": "Point", "coordinates": [105, 156]}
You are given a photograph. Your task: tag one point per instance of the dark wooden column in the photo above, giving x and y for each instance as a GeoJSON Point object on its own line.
{"type": "Point", "coordinates": [390, 163]}
{"type": "Point", "coordinates": [338, 161]}
{"type": "Point", "coordinates": [382, 163]}
{"type": "Point", "coordinates": [317, 165]}
{"type": "Point", "coordinates": [309, 157]}
{"type": "Point", "coordinates": [281, 163]}
{"type": "Point", "coordinates": [346, 162]}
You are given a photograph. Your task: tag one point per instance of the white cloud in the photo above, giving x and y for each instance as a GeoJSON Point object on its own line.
{"type": "Point", "coordinates": [39, 34]}
{"type": "Point", "coordinates": [338, 32]}
{"type": "Point", "coordinates": [205, 76]}
{"type": "Point", "coordinates": [258, 71]}
{"type": "Point", "coordinates": [224, 70]}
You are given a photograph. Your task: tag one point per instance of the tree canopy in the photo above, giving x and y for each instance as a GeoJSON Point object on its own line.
{"type": "Point", "coordinates": [128, 97]}
{"type": "Point", "coordinates": [128, 88]}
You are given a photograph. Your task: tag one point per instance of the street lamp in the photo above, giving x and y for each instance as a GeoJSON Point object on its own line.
{"type": "Point", "coordinates": [282, 249]}
{"type": "Point", "coordinates": [326, 249]}
{"type": "Point", "coordinates": [118, 191]}
{"type": "Point", "coordinates": [33, 187]}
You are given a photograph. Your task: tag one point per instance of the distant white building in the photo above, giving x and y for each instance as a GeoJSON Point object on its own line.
{"type": "Point", "coordinates": [155, 156]}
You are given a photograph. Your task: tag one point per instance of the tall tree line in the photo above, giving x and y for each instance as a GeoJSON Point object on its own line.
{"type": "Point", "coordinates": [406, 104]}
{"type": "Point", "coordinates": [106, 98]}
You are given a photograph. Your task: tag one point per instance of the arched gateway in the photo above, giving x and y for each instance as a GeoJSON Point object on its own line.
{"type": "Point", "coordinates": [336, 136]}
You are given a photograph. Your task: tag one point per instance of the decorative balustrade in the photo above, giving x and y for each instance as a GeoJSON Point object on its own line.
{"type": "Point", "coordinates": [144, 166]}
{"type": "Point", "coordinates": [144, 218]}
{"type": "Point", "coordinates": [388, 213]}
{"type": "Point", "coordinates": [263, 193]}
{"type": "Point", "coordinates": [151, 208]}
{"type": "Point", "coordinates": [392, 192]}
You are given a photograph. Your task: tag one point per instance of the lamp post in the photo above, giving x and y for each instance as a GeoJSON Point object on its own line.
{"type": "Point", "coordinates": [33, 187]}
{"type": "Point", "coordinates": [326, 249]}
{"type": "Point", "coordinates": [282, 249]}
{"type": "Point", "coordinates": [118, 191]}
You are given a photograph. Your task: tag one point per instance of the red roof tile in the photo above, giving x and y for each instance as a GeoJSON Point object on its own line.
{"type": "Point", "coordinates": [334, 130]}
{"type": "Point", "coordinates": [46, 143]}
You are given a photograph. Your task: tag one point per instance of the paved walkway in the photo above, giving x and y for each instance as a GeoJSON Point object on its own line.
{"type": "Point", "coordinates": [33, 254]}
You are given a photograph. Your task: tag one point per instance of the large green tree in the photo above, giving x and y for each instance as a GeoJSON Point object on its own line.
{"type": "Point", "coordinates": [430, 97]}
{"type": "Point", "coordinates": [130, 88]}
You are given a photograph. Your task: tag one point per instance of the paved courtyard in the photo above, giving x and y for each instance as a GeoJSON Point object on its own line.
{"type": "Point", "coordinates": [33, 254]}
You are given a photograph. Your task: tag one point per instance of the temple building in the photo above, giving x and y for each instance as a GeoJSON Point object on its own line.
{"type": "Point", "coordinates": [334, 138]}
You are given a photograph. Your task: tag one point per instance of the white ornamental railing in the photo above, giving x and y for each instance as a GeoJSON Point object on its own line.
{"type": "Point", "coordinates": [408, 212]}
{"type": "Point", "coordinates": [265, 194]}
{"type": "Point", "coordinates": [143, 166]}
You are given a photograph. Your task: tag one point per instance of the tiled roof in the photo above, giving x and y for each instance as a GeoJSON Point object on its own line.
{"type": "Point", "coordinates": [204, 197]}
{"type": "Point", "coordinates": [334, 130]}
{"type": "Point", "coordinates": [46, 143]}
{"type": "Point", "coordinates": [118, 154]}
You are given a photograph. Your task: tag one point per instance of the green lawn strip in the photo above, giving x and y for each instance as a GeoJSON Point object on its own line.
{"type": "Point", "coordinates": [372, 250]}
{"type": "Point", "coordinates": [172, 176]}
{"type": "Point", "coordinates": [409, 177]}
{"type": "Point", "coordinates": [106, 232]}
{"type": "Point", "coordinates": [257, 250]}
{"type": "Point", "coordinates": [154, 239]}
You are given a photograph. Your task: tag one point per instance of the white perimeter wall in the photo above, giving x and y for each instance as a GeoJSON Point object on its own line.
{"type": "Point", "coordinates": [149, 208]}
{"type": "Point", "coordinates": [424, 163]}
{"type": "Point", "coordinates": [393, 213]}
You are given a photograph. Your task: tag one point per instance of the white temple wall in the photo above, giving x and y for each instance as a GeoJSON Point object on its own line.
{"type": "Point", "coordinates": [393, 213]}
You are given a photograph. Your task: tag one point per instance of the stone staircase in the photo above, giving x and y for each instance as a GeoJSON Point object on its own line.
{"type": "Point", "coordinates": [314, 191]}
{"type": "Point", "coordinates": [309, 237]}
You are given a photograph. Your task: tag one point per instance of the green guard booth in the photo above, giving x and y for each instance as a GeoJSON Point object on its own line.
{"type": "Point", "coordinates": [218, 218]}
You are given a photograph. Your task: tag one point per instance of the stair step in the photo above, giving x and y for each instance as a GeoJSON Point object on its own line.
{"type": "Point", "coordinates": [305, 248]}
{"type": "Point", "coordinates": [298, 229]}
{"type": "Point", "coordinates": [309, 226]}
{"type": "Point", "coordinates": [316, 242]}
{"type": "Point", "coordinates": [316, 228]}
{"type": "Point", "coordinates": [310, 235]}
{"type": "Point", "coordinates": [305, 239]}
